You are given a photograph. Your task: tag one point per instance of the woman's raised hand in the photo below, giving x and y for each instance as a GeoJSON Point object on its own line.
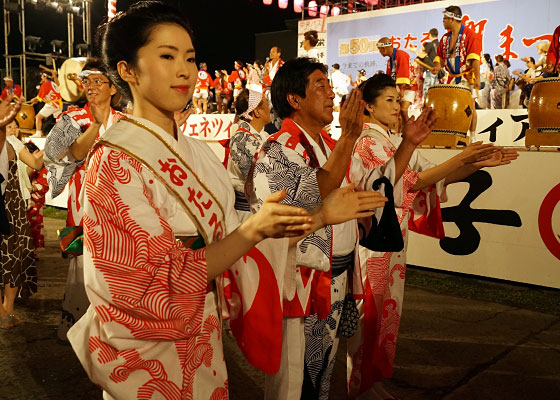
{"type": "Point", "coordinates": [344, 204]}
{"type": "Point", "coordinates": [415, 130]}
{"type": "Point", "coordinates": [276, 220]}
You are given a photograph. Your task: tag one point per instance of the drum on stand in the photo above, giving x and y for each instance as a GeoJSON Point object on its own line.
{"type": "Point", "coordinates": [454, 110]}
{"type": "Point", "coordinates": [544, 114]}
{"type": "Point", "coordinates": [69, 89]}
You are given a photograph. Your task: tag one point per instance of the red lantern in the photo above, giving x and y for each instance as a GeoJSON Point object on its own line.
{"type": "Point", "coordinates": [312, 8]}
{"type": "Point", "coordinates": [335, 11]}
{"type": "Point", "coordinates": [267, 2]}
{"type": "Point", "coordinates": [283, 3]}
{"type": "Point", "coordinates": [298, 6]}
{"type": "Point", "coordinates": [324, 11]}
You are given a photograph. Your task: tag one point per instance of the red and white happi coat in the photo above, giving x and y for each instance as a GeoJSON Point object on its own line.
{"type": "Point", "coordinates": [153, 329]}
{"type": "Point", "coordinates": [286, 161]}
{"type": "Point", "coordinates": [470, 48]}
{"type": "Point", "coordinates": [371, 350]}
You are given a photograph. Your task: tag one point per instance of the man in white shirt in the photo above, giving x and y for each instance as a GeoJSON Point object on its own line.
{"type": "Point", "coordinates": [340, 82]}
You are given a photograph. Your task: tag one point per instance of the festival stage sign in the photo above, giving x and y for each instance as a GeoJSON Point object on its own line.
{"type": "Point", "coordinates": [501, 222]}
{"type": "Point", "coordinates": [319, 25]}
{"type": "Point", "coordinates": [512, 28]}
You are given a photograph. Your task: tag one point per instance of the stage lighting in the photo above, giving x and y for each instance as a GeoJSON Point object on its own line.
{"type": "Point", "coordinates": [82, 49]}
{"type": "Point", "coordinates": [33, 42]}
{"type": "Point", "coordinates": [324, 11]}
{"type": "Point", "coordinates": [335, 11]}
{"type": "Point", "coordinates": [298, 6]}
{"type": "Point", "coordinates": [12, 7]}
{"type": "Point", "coordinates": [57, 46]}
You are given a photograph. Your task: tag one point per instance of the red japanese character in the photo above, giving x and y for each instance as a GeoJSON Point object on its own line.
{"type": "Point", "coordinates": [478, 27]}
{"type": "Point", "coordinates": [425, 37]}
{"type": "Point", "coordinates": [193, 196]}
{"type": "Point", "coordinates": [176, 174]}
{"type": "Point", "coordinates": [528, 42]}
{"type": "Point", "coordinates": [507, 39]}
{"type": "Point", "coordinates": [218, 228]}
{"type": "Point", "coordinates": [408, 39]}
{"type": "Point", "coordinates": [396, 42]}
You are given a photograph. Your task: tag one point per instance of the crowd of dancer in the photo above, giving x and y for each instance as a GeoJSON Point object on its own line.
{"type": "Point", "coordinates": [166, 244]}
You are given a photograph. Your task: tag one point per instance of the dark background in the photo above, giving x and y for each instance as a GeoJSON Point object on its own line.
{"type": "Point", "coordinates": [225, 31]}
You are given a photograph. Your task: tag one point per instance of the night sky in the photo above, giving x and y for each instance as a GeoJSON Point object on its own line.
{"type": "Point", "coordinates": [224, 29]}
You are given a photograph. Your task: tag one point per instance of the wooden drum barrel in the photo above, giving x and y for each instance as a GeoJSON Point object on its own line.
{"type": "Point", "coordinates": [26, 117]}
{"type": "Point", "coordinates": [544, 105]}
{"type": "Point", "coordinates": [453, 107]}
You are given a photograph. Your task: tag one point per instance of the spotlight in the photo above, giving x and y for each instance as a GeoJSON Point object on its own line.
{"type": "Point", "coordinates": [12, 7]}
{"type": "Point", "coordinates": [57, 46]}
{"type": "Point", "coordinates": [82, 49]}
{"type": "Point", "coordinates": [33, 42]}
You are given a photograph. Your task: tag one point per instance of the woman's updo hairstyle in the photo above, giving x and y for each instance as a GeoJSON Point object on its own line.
{"type": "Point", "coordinates": [242, 103]}
{"type": "Point", "coordinates": [312, 36]}
{"type": "Point", "coordinates": [122, 37]}
{"type": "Point", "coordinates": [373, 87]}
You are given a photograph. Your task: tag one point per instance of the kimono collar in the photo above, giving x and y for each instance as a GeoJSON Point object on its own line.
{"type": "Point", "coordinates": [375, 127]}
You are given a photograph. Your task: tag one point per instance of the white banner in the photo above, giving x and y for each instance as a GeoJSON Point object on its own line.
{"type": "Point", "coordinates": [319, 25]}
{"type": "Point", "coordinates": [503, 223]}
{"type": "Point", "coordinates": [209, 126]}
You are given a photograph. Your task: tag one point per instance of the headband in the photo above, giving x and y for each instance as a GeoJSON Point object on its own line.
{"type": "Point", "coordinates": [451, 15]}
{"type": "Point", "coordinates": [255, 98]}
{"type": "Point", "coordinates": [85, 73]}
{"type": "Point", "coordinates": [384, 44]}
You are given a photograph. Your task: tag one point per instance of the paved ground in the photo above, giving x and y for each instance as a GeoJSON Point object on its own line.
{"type": "Point", "coordinates": [449, 348]}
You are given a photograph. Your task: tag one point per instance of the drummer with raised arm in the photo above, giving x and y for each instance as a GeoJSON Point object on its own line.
{"type": "Point", "coordinates": [50, 95]}
{"type": "Point", "coordinates": [459, 53]}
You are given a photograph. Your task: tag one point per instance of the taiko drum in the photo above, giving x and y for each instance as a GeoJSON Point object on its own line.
{"type": "Point", "coordinates": [26, 116]}
{"type": "Point", "coordinates": [544, 105]}
{"type": "Point", "coordinates": [453, 108]}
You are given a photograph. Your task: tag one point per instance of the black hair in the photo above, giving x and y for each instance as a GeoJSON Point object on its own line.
{"type": "Point", "coordinates": [532, 59]}
{"type": "Point", "coordinates": [312, 36]}
{"type": "Point", "coordinates": [242, 102]}
{"type": "Point", "coordinates": [124, 35]}
{"type": "Point", "coordinates": [32, 147]}
{"type": "Point", "coordinates": [278, 49]}
{"type": "Point", "coordinates": [97, 63]}
{"type": "Point", "coordinates": [292, 77]}
{"type": "Point", "coordinates": [488, 59]}
{"type": "Point", "coordinates": [434, 32]}
{"type": "Point", "coordinates": [507, 63]}
{"type": "Point", "coordinates": [454, 10]}
{"type": "Point", "coordinates": [372, 88]}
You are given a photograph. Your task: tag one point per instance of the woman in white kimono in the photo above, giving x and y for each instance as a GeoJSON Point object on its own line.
{"type": "Point", "coordinates": [419, 185]}
{"type": "Point", "coordinates": [160, 227]}
{"type": "Point", "coordinates": [252, 109]}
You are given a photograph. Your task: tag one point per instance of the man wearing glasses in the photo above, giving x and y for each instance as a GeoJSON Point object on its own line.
{"type": "Point", "coordinates": [66, 150]}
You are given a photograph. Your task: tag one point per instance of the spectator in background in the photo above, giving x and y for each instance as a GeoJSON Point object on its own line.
{"type": "Point", "coordinates": [340, 82]}
{"type": "Point", "coordinates": [360, 79]}
{"type": "Point", "coordinates": [310, 40]}
{"type": "Point", "coordinates": [254, 76]}
{"type": "Point", "coordinates": [427, 56]}
{"type": "Point", "coordinates": [39, 188]}
{"type": "Point", "coordinates": [486, 73]}
{"type": "Point", "coordinates": [202, 89]}
{"type": "Point", "coordinates": [10, 88]}
{"type": "Point", "coordinates": [499, 83]}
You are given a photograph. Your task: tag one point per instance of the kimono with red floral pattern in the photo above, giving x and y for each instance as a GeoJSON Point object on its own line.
{"type": "Point", "coordinates": [371, 351]}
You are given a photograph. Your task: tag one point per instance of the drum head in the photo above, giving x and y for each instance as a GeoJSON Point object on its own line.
{"type": "Point", "coordinates": [69, 90]}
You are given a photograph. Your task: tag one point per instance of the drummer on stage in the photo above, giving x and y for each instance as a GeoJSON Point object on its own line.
{"type": "Point", "coordinates": [401, 70]}
{"type": "Point", "coordinates": [50, 95]}
{"type": "Point", "coordinates": [459, 52]}
{"type": "Point", "coordinates": [10, 88]}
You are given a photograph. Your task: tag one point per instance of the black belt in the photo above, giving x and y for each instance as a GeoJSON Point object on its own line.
{"type": "Point", "coordinates": [241, 202]}
{"type": "Point", "coordinates": [341, 264]}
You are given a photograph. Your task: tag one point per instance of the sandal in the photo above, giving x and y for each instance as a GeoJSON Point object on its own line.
{"type": "Point", "coordinates": [6, 322]}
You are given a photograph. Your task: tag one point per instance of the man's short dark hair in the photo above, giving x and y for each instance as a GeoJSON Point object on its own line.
{"type": "Point", "coordinates": [434, 32]}
{"type": "Point", "coordinates": [278, 49]}
{"type": "Point", "coordinates": [292, 78]}
{"type": "Point", "coordinates": [454, 10]}
{"type": "Point", "coordinates": [532, 59]}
